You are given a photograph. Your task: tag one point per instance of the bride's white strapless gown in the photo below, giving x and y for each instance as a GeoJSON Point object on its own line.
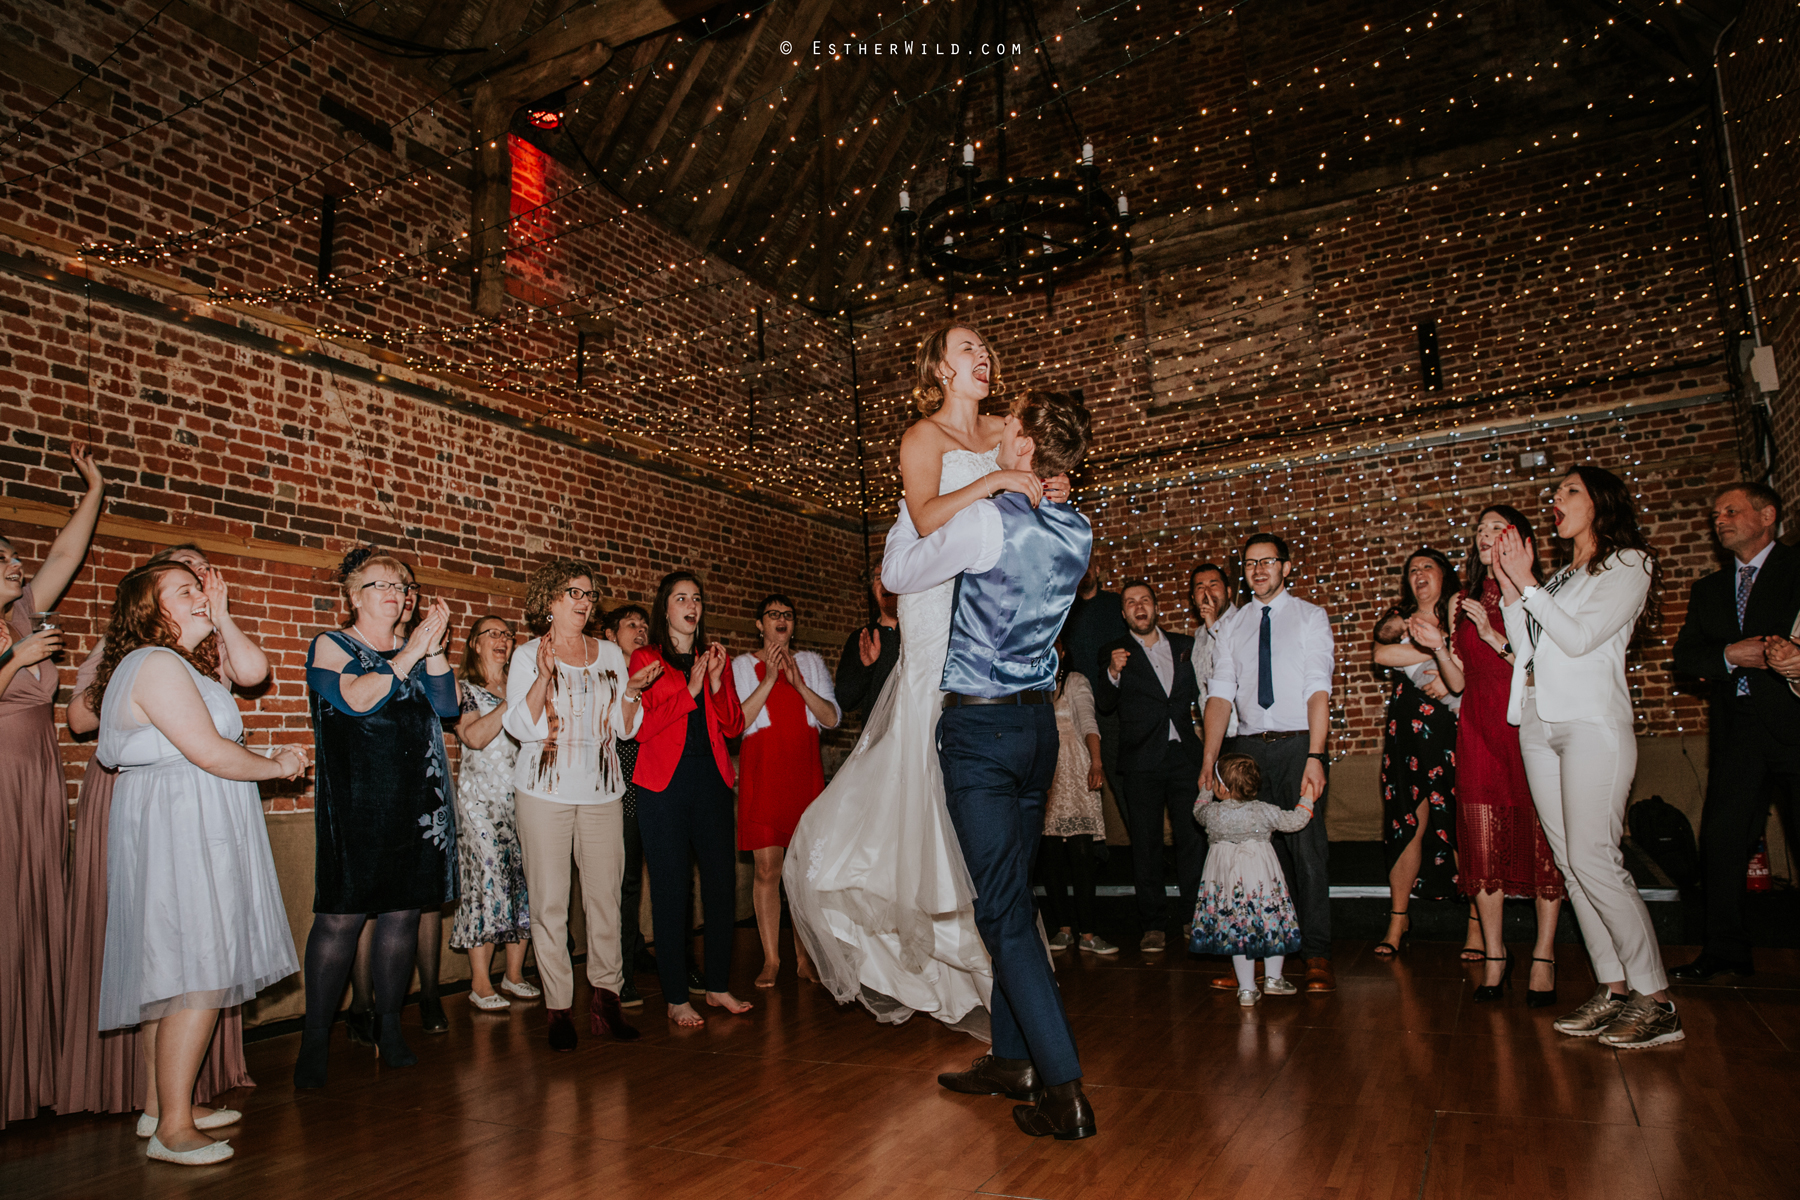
{"type": "Point", "coordinates": [875, 876]}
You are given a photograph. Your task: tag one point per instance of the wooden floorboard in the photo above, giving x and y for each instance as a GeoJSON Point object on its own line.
{"type": "Point", "coordinates": [1397, 1085]}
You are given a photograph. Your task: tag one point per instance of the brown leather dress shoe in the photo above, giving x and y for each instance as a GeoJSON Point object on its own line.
{"type": "Point", "coordinates": [1064, 1113]}
{"type": "Point", "coordinates": [1319, 975]}
{"type": "Point", "coordinates": [1014, 1078]}
{"type": "Point", "coordinates": [607, 1019]}
{"type": "Point", "coordinates": [1228, 981]}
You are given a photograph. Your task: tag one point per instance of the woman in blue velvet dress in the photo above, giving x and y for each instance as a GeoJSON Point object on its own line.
{"type": "Point", "coordinates": [384, 808]}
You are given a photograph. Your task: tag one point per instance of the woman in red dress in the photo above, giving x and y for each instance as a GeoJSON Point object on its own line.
{"type": "Point", "coordinates": [787, 698]}
{"type": "Point", "coordinates": [1501, 847]}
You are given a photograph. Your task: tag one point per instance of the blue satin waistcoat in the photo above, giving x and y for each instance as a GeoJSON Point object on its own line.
{"type": "Point", "coordinates": [1004, 623]}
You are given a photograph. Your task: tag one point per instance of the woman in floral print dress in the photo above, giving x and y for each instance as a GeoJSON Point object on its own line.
{"type": "Point", "coordinates": [490, 866]}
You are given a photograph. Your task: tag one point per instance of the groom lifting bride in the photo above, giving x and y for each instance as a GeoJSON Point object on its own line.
{"type": "Point", "coordinates": [1016, 559]}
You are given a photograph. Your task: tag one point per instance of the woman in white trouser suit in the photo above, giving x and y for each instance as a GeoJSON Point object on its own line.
{"type": "Point", "coordinates": [1573, 708]}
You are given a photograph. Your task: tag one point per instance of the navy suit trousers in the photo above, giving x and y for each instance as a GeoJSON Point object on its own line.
{"type": "Point", "coordinates": [998, 762]}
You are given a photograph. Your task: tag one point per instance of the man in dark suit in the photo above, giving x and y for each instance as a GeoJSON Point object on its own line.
{"type": "Point", "coordinates": [1148, 680]}
{"type": "Point", "coordinates": [1755, 731]}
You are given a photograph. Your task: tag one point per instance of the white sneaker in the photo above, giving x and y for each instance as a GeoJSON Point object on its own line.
{"type": "Point", "coordinates": [522, 990]}
{"type": "Point", "coordinates": [1093, 943]}
{"type": "Point", "coordinates": [493, 1003]}
{"type": "Point", "coordinates": [1247, 997]}
{"type": "Point", "coordinates": [1275, 985]}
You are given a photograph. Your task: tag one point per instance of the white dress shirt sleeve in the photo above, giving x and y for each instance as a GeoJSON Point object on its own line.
{"type": "Point", "coordinates": [969, 541]}
{"type": "Point", "coordinates": [743, 675]}
{"type": "Point", "coordinates": [519, 678]}
{"type": "Point", "coordinates": [1223, 684]}
{"type": "Point", "coordinates": [1320, 646]}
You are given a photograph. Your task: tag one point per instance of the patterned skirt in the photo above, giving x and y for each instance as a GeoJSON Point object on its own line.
{"type": "Point", "coordinates": [1244, 906]}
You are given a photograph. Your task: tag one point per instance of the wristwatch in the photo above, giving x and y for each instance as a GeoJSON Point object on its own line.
{"type": "Point", "coordinates": [1528, 593]}
{"type": "Point", "coordinates": [1321, 756]}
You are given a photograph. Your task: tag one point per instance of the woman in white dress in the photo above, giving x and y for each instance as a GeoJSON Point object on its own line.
{"type": "Point", "coordinates": [877, 886]}
{"type": "Point", "coordinates": [195, 921]}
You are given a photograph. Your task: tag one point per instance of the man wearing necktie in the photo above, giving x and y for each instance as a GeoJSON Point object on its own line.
{"type": "Point", "coordinates": [1732, 616]}
{"type": "Point", "coordinates": [1273, 669]}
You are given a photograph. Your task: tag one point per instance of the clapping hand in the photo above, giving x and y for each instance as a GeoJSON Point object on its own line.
{"type": "Point", "coordinates": [1477, 612]}
{"type": "Point", "coordinates": [428, 636]}
{"type": "Point", "coordinates": [716, 659]}
{"type": "Point", "coordinates": [1782, 657]}
{"type": "Point", "coordinates": [639, 683]}
{"type": "Point", "coordinates": [546, 657]}
{"type": "Point", "coordinates": [1514, 556]}
{"type": "Point", "coordinates": [1424, 632]}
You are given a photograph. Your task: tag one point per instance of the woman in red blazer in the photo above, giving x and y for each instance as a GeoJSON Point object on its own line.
{"type": "Point", "coordinates": [685, 808]}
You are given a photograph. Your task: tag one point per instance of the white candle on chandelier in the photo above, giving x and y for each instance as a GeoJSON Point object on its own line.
{"type": "Point", "coordinates": [1087, 154]}
{"type": "Point", "coordinates": [905, 202]}
{"type": "Point", "coordinates": [968, 154]}
{"type": "Point", "coordinates": [1124, 208]}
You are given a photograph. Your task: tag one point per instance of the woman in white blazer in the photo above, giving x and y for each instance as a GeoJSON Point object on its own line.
{"type": "Point", "coordinates": [1573, 708]}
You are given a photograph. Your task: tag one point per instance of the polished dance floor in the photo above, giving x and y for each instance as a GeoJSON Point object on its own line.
{"type": "Point", "coordinates": [1396, 1086]}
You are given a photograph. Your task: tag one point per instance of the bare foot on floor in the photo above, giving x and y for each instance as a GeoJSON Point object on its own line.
{"type": "Point", "coordinates": [806, 972]}
{"type": "Point", "coordinates": [728, 1002]}
{"type": "Point", "coordinates": [769, 973]}
{"type": "Point", "coordinates": [684, 1015]}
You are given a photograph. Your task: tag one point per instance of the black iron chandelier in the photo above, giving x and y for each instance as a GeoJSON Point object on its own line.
{"type": "Point", "coordinates": [1006, 234]}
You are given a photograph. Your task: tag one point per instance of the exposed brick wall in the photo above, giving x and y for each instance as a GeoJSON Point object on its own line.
{"type": "Point", "coordinates": [680, 450]}
{"type": "Point", "coordinates": [1259, 366]}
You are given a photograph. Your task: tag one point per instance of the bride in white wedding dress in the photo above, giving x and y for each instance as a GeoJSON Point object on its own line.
{"type": "Point", "coordinates": [875, 876]}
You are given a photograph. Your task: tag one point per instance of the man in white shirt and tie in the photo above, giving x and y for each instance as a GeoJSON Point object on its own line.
{"type": "Point", "coordinates": [1273, 668]}
{"type": "Point", "coordinates": [1210, 599]}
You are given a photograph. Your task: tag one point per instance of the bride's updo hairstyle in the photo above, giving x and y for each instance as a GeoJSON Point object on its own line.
{"type": "Point", "coordinates": [1059, 427]}
{"type": "Point", "coordinates": [928, 368]}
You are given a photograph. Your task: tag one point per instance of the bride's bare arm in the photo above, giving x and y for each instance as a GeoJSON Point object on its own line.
{"type": "Point", "coordinates": [922, 471]}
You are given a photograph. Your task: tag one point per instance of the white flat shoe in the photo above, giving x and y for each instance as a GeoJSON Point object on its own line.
{"type": "Point", "coordinates": [220, 1118]}
{"type": "Point", "coordinates": [522, 990]}
{"type": "Point", "coordinates": [1247, 997]}
{"type": "Point", "coordinates": [493, 1003]}
{"type": "Point", "coordinates": [205, 1156]}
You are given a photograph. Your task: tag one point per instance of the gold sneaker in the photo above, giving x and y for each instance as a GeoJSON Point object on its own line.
{"type": "Point", "coordinates": [1592, 1018]}
{"type": "Point", "coordinates": [1643, 1022]}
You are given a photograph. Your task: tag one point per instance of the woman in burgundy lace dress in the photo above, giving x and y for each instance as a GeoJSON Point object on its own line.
{"type": "Point", "coordinates": [1501, 847]}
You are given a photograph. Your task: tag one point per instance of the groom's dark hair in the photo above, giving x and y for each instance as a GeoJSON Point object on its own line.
{"type": "Point", "coordinates": [1058, 426]}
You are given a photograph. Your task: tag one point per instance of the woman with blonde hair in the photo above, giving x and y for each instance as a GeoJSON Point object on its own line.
{"type": "Point", "coordinates": [194, 917]}
{"type": "Point", "coordinates": [385, 833]}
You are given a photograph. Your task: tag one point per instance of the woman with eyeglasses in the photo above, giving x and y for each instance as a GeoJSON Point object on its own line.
{"type": "Point", "coordinates": [684, 783]}
{"type": "Point", "coordinates": [493, 909]}
{"type": "Point", "coordinates": [569, 701]}
{"type": "Point", "coordinates": [787, 697]}
{"type": "Point", "coordinates": [385, 830]}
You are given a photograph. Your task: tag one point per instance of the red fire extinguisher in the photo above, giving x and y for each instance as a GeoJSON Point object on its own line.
{"type": "Point", "coordinates": [1758, 878]}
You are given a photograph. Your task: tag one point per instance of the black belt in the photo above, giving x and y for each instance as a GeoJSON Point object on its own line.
{"type": "Point", "coordinates": [958, 700]}
{"type": "Point", "coordinates": [1276, 735]}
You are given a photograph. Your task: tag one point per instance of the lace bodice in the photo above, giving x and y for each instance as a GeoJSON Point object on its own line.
{"type": "Point", "coordinates": [1248, 821]}
{"type": "Point", "coordinates": [925, 616]}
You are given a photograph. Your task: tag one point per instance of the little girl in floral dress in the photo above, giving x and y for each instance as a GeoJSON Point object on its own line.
{"type": "Point", "coordinates": [1244, 909]}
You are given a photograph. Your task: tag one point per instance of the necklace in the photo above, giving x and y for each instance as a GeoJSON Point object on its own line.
{"type": "Point", "coordinates": [395, 637]}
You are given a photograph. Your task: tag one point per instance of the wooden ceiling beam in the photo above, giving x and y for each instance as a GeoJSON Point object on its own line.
{"type": "Point", "coordinates": [746, 136]}
{"type": "Point", "coordinates": [715, 102]}
{"type": "Point", "coordinates": [639, 95]}
{"type": "Point", "coordinates": [619, 103]}
{"type": "Point", "coordinates": [679, 93]}
{"type": "Point", "coordinates": [743, 211]}
{"type": "Point", "coordinates": [859, 261]}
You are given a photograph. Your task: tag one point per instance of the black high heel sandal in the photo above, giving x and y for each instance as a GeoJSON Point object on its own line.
{"type": "Point", "coordinates": [1537, 999]}
{"type": "Point", "coordinates": [1485, 992]}
{"type": "Point", "coordinates": [1471, 954]}
{"type": "Point", "coordinates": [1388, 949]}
